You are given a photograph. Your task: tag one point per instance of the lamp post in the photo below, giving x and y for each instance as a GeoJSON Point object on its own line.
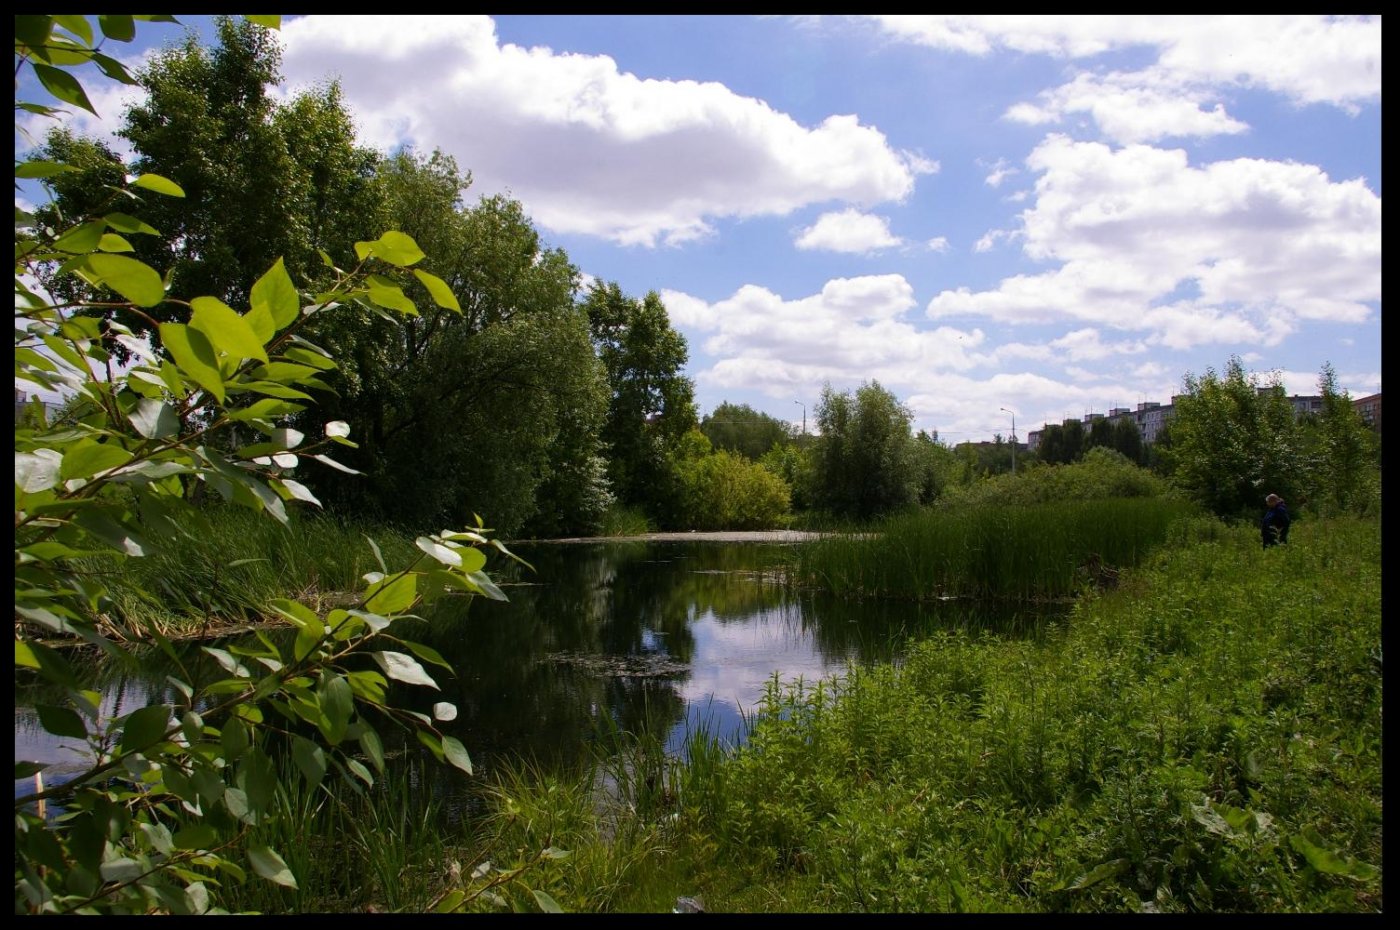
{"type": "Point", "coordinates": [1013, 438]}
{"type": "Point", "coordinates": [804, 416]}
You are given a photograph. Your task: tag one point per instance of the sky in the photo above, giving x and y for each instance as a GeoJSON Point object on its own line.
{"type": "Point", "coordinates": [1004, 220]}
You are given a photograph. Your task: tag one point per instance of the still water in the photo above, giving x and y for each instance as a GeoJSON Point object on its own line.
{"type": "Point", "coordinates": [655, 637]}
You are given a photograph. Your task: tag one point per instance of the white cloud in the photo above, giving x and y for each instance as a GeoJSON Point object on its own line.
{"type": "Point", "coordinates": [1310, 59]}
{"type": "Point", "coordinates": [1334, 60]}
{"type": "Point", "coordinates": [585, 147]}
{"type": "Point", "coordinates": [1265, 244]}
{"type": "Point", "coordinates": [848, 231]}
{"type": "Point", "coordinates": [938, 244]}
{"type": "Point", "coordinates": [1000, 172]}
{"type": "Point", "coordinates": [1131, 108]}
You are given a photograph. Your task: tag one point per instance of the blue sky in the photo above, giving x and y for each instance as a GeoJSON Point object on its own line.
{"type": "Point", "coordinates": [1052, 215]}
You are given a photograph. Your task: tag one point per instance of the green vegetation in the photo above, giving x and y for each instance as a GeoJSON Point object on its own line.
{"type": "Point", "coordinates": [177, 794]}
{"type": "Point", "coordinates": [1019, 552]}
{"type": "Point", "coordinates": [1205, 738]}
{"type": "Point", "coordinates": [1202, 734]}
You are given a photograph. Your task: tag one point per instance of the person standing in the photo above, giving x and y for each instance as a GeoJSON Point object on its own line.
{"type": "Point", "coordinates": [1274, 529]}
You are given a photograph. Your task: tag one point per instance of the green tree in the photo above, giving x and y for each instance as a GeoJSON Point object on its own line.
{"type": "Point", "coordinates": [1234, 440]}
{"type": "Point", "coordinates": [1343, 454]}
{"type": "Point", "coordinates": [722, 490]}
{"type": "Point", "coordinates": [742, 429]}
{"type": "Point", "coordinates": [497, 408]}
{"type": "Point", "coordinates": [652, 403]}
{"type": "Point", "coordinates": [935, 467]}
{"type": "Point", "coordinates": [793, 464]}
{"type": "Point", "coordinates": [1127, 440]}
{"type": "Point", "coordinates": [863, 460]}
{"type": "Point", "coordinates": [1100, 435]}
{"type": "Point", "coordinates": [168, 808]}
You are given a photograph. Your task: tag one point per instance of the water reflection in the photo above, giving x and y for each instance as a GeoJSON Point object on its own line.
{"type": "Point", "coordinates": [659, 637]}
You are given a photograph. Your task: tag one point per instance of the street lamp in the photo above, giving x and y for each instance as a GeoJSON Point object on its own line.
{"type": "Point", "coordinates": [804, 416]}
{"type": "Point", "coordinates": [1013, 438]}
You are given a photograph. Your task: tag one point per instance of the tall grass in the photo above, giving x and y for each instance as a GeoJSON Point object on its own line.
{"type": "Point", "coordinates": [233, 561]}
{"type": "Point", "coordinates": [1206, 738]}
{"type": "Point", "coordinates": [1019, 552]}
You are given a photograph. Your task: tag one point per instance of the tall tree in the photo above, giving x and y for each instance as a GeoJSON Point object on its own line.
{"type": "Point", "coordinates": [652, 402]}
{"type": "Point", "coordinates": [1343, 454]}
{"type": "Point", "coordinates": [1234, 440]}
{"type": "Point", "coordinates": [494, 408]}
{"type": "Point", "coordinates": [1127, 440]}
{"type": "Point", "coordinates": [864, 463]}
{"type": "Point", "coordinates": [742, 429]}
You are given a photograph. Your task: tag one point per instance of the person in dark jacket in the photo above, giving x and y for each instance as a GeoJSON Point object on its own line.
{"type": "Point", "coordinates": [1275, 526]}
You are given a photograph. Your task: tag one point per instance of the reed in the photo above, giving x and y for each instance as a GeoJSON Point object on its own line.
{"type": "Point", "coordinates": [232, 562]}
{"type": "Point", "coordinates": [1017, 552]}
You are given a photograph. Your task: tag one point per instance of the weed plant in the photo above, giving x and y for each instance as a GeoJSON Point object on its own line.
{"type": "Point", "coordinates": [1206, 738]}
{"type": "Point", "coordinates": [1015, 552]}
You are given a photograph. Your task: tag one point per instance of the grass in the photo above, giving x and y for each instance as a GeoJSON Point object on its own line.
{"type": "Point", "coordinates": [233, 561]}
{"type": "Point", "coordinates": [1204, 738]}
{"type": "Point", "coordinates": [1013, 552]}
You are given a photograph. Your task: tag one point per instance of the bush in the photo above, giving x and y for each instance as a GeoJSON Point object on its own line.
{"type": "Point", "coordinates": [725, 491]}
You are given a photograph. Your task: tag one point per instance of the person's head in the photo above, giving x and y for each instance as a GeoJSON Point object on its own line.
{"type": "Point", "coordinates": [1273, 500]}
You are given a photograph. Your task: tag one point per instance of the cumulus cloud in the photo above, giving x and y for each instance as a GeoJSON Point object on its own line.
{"type": "Point", "coordinates": [1263, 243]}
{"type": "Point", "coordinates": [1333, 60]}
{"type": "Point", "coordinates": [848, 231]}
{"type": "Point", "coordinates": [1131, 108]}
{"type": "Point", "coordinates": [588, 148]}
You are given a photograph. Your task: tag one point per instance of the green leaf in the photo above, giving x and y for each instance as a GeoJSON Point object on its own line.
{"type": "Point", "coordinates": [41, 169]}
{"type": "Point", "coordinates": [38, 470]}
{"type": "Point", "coordinates": [81, 239]}
{"type": "Point", "coordinates": [1309, 843]}
{"type": "Point", "coordinates": [428, 654]}
{"type": "Point", "coordinates": [444, 554]}
{"type": "Point", "coordinates": [196, 836]}
{"type": "Point", "coordinates": [369, 742]}
{"type": "Point", "coordinates": [111, 242]}
{"type": "Point", "coordinates": [33, 30]}
{"type": "Point", "coordinates": [119, 28]}
{"type": "Point", "coordinates": [437, 289]}
{"type": "Point", "coordinates": [275, 292]}
{"type": "Point", "coordinates": [259, 781]}
{"type": "Point", "coordinates": [266, 21]}
{"type": "Point", "coordinates": [394, 247]}
{"type": "Point", "coordinates": [154, 419]}
{"type": "Point", "coordinates": [63, 86]}
{"type": "Point", "coordinates": [78, 25]}
{"type": "Point", "coordinates": [123, 222]}
{"type": "Point", "coordinates": [159, 184]}
{"type": "Point", "coordinates": [270, 866]}
{"type": "Point", "coordinates": [392, 298]}
{"type": "Point", "coordinates": [456, 753]}
{"type": "Point", "coordinates": [337, 703]}
{"type": "Point", "coordinates": [225, 329]}
{"type": "Point", "coordinates": [234, 738]}
{"type": "Point", "coordinates": [90, 458]}
{"type": "Point", "coordinates": [61, 721]}
{"type": "Point", "coordinates": [403, 668]}
{"type": "Point", "coordinates": [144, 727]}
{"type": "Point", "coordinates": [392, 596]}
{"type": "Point", "coordinates": [134, 280]}
{"type": "Point", "coordinates": [546, 903]}
{"type": "Point", "coordinates": [1099, 873]}
{"type": "Point", "coordinates": [30, 769]}
{"type": "Point", "coordinates": [194, 355]}
{"type": "Point", "coordinates": [113, 69]}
